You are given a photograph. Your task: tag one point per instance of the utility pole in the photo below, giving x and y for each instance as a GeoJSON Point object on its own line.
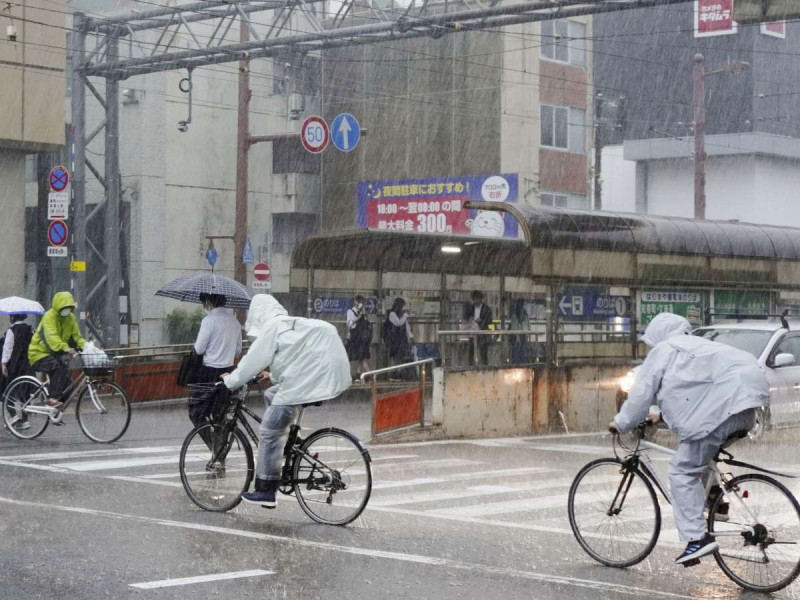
{"type": "Point", "coordinates": [699, 137]}
{"type": "Point", "coordinates": [699, 76]}
{"type": "Point", "coordinates": [242, 160]}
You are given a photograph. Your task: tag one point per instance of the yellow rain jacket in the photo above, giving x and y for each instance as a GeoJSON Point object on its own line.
{"type": "Point", "coordinates": [55, 333]}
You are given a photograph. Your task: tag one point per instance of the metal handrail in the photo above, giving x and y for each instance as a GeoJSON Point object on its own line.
{"type": "Point", "coordinates": [397, 367]}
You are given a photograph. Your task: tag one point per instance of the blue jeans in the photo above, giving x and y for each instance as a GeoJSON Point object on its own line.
{"type": "Point", "coordinates": [272, 436]}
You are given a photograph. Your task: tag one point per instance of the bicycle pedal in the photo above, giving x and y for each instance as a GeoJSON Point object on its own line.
{"type": "Point", "coordinates": [692, 563]}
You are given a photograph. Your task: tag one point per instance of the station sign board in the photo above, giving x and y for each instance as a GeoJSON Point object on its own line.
{"type": "Point", "coordinates": [688, 304]}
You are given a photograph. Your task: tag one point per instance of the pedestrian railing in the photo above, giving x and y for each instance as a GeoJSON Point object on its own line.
{"type": "Point", "coordinates": [398, 408]}
{"type": "Point", "coordinates": [491, 348]}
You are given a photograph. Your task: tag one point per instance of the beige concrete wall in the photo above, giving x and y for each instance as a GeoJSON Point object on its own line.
{"type": "Point", "coordinates": [32, 80]}
{"type": "Point", "coordinates": [487, 403]}
{"type": "Point", "coordinates": [12, 225]}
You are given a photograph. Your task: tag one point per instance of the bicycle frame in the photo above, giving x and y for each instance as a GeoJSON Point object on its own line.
{"type": "Point", "coordinates": [717, 477]}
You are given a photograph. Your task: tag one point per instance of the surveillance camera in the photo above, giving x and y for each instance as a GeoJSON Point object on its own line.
{"type": "Point", "coordinates": [11, 33]}
{"type": "Point", "coordinates": [183, 126]}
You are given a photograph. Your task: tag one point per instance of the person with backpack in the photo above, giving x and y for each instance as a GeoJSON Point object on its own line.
{"type": "Point", "coordinates": [359, 337]}
{"type": "Point", "coordinates": [15, 359]}
{"type": "Point", "coordinates": [397, 333]}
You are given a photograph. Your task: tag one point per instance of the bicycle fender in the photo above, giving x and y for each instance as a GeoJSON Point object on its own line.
{"type": "Point", "coordinates": [738, 463]}
{"type": "Point", "coordinates": [347, 434]}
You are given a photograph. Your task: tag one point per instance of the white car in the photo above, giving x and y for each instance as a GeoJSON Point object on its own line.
{"type": "Point", "coordinates": [777, 350]}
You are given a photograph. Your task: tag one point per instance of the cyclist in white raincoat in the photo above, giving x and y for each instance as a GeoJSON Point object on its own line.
{"type": "Point", "coordinates": [706, 391]}
{"type": "Point", "coordinates": [307, 363]}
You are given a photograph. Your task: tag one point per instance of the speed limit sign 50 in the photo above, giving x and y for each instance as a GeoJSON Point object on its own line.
{"type": "Point", "coordinates": [314, 134]}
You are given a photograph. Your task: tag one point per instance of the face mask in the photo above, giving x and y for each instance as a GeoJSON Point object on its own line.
{"type": "Point", "coordinates": [64, 312]}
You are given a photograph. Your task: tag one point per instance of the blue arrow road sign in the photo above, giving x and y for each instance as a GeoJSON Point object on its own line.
{"type": "Point", "coordinates": [211, 256]}
{"type": "Point", "coordinates": [345, 132]}
{"type": "Point", "coordinates": [576, 307]}
{"type": "Point", "coordinates": [247, 256]}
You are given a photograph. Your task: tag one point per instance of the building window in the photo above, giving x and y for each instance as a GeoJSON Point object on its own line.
{"type": "Point", "coordinates": [562, 200]}
{"type": "Point", "coordinates": [550, 199]}
{"type": "Point", "coordinates": [563, 128]}
{"type": "Point", "coordinates": [564, 41]}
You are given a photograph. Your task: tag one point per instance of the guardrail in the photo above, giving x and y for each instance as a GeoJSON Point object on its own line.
{"type": "Point", "coordinates": [516, 347]}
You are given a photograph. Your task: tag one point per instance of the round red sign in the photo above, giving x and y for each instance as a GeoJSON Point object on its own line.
{"type": "Point", "coordinates": [261, 271]}
{"type": "Point", "coordinates": [314, 134]}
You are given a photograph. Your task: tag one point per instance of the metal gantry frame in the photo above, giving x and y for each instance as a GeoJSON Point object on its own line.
{"type": "Point", "coordinates": [321, 24]}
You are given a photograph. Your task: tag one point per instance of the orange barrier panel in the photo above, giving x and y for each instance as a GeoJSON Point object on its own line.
{"type": "Point", "coordinates": [397, 409]}
{"type": "Point", "coordinates": [154, 381]}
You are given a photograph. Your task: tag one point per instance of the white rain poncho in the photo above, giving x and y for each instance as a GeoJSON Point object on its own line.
{"type": "Point", "coordinates": [306, 358]}
{"type": "Point", "coordinates": [696, 383]}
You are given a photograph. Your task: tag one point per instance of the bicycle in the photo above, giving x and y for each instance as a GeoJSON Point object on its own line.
{"type": "Point", "coordinates": [102, 409]}
{"type": "Point", "coordinates": [616, 518]}
{"type": "Point", "coordinates": [322, 470]}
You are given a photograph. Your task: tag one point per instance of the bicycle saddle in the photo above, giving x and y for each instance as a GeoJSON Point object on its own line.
{"type": "Point", "coordinates": [316, 404]}
{"type": "Point", "coordinates": [736, 435]}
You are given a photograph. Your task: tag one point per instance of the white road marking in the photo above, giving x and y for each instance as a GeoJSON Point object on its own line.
{"type": "Point", "coordinates": [151, 585]}
{"type": "Point", "coordinates": [483, 569]}
{"type": "Point", "coordinates": [140, 480]}
{"type": "Point", "coordinates": [91, 453]}
{"type": "Point", "coordinates": [485, 490]}
{"type": "Point", "coordinates": [457, 477]}
{"type": "Point", "coordinates": [534, 438]}
{"type": "Point", "coordinates": [11, 463]}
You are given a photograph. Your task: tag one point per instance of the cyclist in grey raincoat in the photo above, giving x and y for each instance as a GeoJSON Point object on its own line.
{"type": "Point", "coordinates": [307, 363]}
{"type": "Point", "coordinates": [706, 391]}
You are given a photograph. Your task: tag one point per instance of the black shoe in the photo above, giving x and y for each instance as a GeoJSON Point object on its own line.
{"type": "Point", "coordinates": [697, 549]}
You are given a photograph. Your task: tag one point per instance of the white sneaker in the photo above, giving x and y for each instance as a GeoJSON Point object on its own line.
{"type": "Point", "coordinates": [23, 426]}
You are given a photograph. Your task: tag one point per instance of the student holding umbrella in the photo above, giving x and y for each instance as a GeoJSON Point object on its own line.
{"type": "Point", "coordinates": [15, 344]}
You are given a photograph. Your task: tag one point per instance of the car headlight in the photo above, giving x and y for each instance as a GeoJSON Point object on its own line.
{"type": "Point", "coordinates": [626, 382]}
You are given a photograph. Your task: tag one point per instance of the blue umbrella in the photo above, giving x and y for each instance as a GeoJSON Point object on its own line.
{"type": "Point", "coordinates": [189, 288]}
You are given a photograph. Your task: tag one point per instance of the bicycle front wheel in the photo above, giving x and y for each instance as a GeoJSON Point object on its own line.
{"type": "Point", "coordinates": [758, 544]}
{"type": "Point", "coordinates": [332, 477]}
{"type": "Point", "coordinates": [614, 513]}
{"type": "Point", "coordinates": [216, 467]}
{"type": "Point", "coordinates": [103, 411]}
{"type": "Point", "coordinates": [25, 410]}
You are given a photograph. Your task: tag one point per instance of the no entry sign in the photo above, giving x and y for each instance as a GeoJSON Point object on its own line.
{"type": "Point", "coordinates": [57, 233]}
{"type": "Point", "coordinates": [261, 271]}
{"type": "Point", "coordinates": [314, 134]}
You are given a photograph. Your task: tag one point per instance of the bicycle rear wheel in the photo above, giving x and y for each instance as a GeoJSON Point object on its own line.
{"type": "Point", "coordinates": [765, 558]}
{"type": "Point", "coordinates": [614, 513]}
{"type": "Point", "coordinates": [332, 477]}
{"type": "Point", "coordinates": [105, 417]}
{"type": "Point", "coordinates": [25, 410]}
{"type": "Point", "coordinates": [215, 480]}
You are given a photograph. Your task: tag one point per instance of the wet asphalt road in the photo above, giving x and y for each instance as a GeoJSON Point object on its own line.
{"type": "Point", "coordinates": [488, 521]}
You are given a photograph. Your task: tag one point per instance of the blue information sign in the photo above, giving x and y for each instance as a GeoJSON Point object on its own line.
{"type": "Point", "coordinates": [248, 257]}
{"type": "Point", "coordinates": [339, 305]}
{"type": "Point", "coordinates": [579, 307]}
{"type": "Point", "coordinates": [345, 132]}
{"type": "Point", "coordinates": [211, 256]}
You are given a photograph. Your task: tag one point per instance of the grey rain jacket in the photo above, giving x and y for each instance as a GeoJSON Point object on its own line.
{"type": "Point", "coordinates": [695, 382]}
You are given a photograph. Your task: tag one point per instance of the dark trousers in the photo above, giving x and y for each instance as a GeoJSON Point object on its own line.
{"type": "Point", "coordinates": [57, 371]}
{"type": "Point", "coordinates": [207, 404]}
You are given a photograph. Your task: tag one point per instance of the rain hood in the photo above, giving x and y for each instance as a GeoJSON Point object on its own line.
{"type": "Point", "coordinates": [306, 357]}
{"type": "Point", "coordinates": [63, 300]}
{"type": "Point", "coordinates": [663, 326]}
{"type": "Point", "coordinates": [696, 383]}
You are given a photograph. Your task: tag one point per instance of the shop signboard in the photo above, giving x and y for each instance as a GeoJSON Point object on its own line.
{"type": "Point", "coordinates": [436, 206]}
{"type": "Point", "coordinates": [679, 302]}
{"type": "Point", "coordinates": [741, 302]}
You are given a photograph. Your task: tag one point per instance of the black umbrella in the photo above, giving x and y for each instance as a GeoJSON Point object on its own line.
{"type": "Point", "coordinates": [189, 288]}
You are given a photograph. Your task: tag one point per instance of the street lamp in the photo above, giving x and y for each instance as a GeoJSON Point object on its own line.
{"type": "Point", "coordinates": [700, 75]}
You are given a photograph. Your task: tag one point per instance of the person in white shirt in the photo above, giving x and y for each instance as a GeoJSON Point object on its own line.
{"type": "Point", "coordinates": [219, 342]}
{"type": "Point", "coordinates": [15, 360]}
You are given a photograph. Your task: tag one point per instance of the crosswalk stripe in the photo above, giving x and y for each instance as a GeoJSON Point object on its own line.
{"type": "Point", "coordinates": [91, 453]}
{"type": "Point", "coordinates": [493, 474]}
{"type": "Point", "coordinates": [484, 490]}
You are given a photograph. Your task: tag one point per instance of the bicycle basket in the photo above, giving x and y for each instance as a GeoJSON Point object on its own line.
{"type": "Point", "coordinates": [98, 365]}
